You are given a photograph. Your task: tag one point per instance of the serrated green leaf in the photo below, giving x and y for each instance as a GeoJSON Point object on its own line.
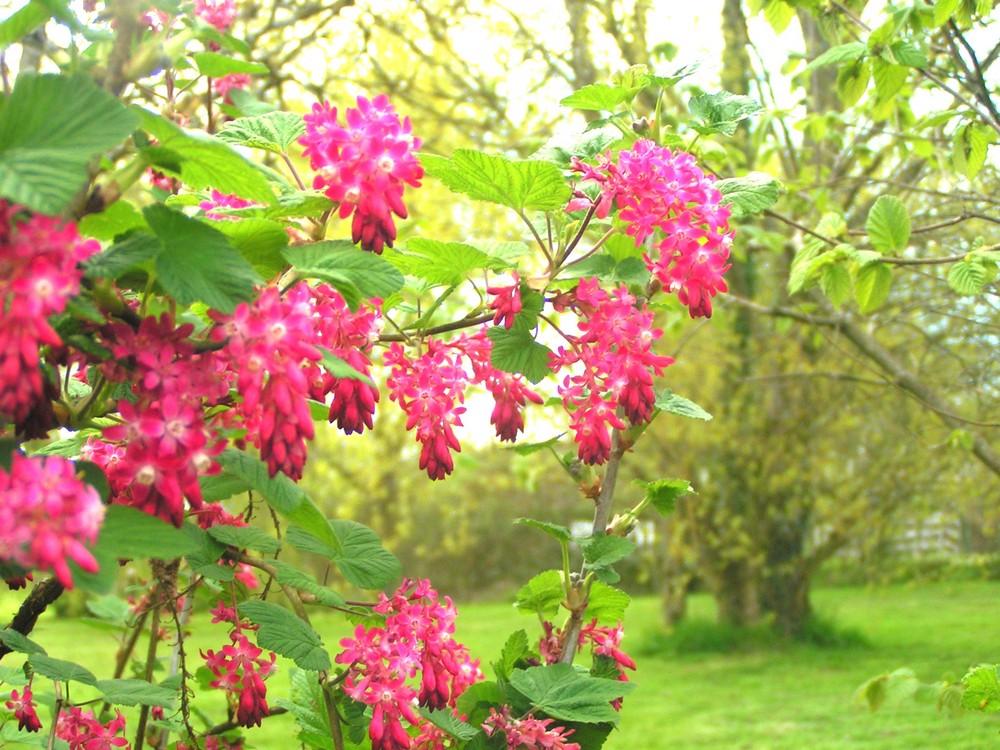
{"type": "Point", "coordinates": [513, 651]}
{"type": "Point", "coordinates": [110, 609]}
{"type": "Point", "coordinates": [123, 257]}
{"type": "Point", "coordinates": [202, 161]}
{"type": "Point", "coordinates": [522, 185]}
{"type": "Point", "coordinates": [359, 554]}
{"type": "Point", "coordinates": [663, 493]}
{"type": "Point", "coordinates": [215, 65]}
{"type": "Point", "coordinates": [259, 241]}
{"type": "Point", "coordinates": [222, 486]}
{"type": "Point", "coordinates": [602, 550]}
{"type": "Point", "coordinates": [18, 642]}
{"type": "Point", "coordinates": [749, 194]}
{"type": "Point", "coordinates": [341, 370]}
{"type": "Point", "coordinates": [971, 143]}
{"type": "Point", "coordinates": [889, 78]}
{"type": "Point", "coordinates": [274, 131]}
{"type": "Point", "coordinates": [130, 533]}
{"type": "Point", "coordinates": [908, 54]}
{"type": "Point", "coordinates": [968, 276]}
{"type": "Point", "coordinates": [606, 604]}
{"type": "Point", "coordinates": [475, 702]}
{"type": "Point", "coordinates": [517, 351]}
{"type": "Point", "coordinates": [118, 218]}
{"type": "Point", "coordinates": [198, 264]}
{"type": "Point", "coordinates": [23, 21]}
{"type": "Point", "coordinates": [281, 493]}
{"type": "Point", "coordinates": [674, 404]}
{"type": "Point", "coordinates": [871, 286]}
{"type": "Point", "coordinates": [286, 635]}
{"type": "Point", "coordinates": [51, 128]}
{"type": "Point", "coordinates": [840, 53]}
{"type": "Point", "coordinates": [779, 14]}
{"type": "Point", "coordinates": [888, 224]}
{"type": "Point", "coordinates": [982, 689]}
{"type": "Point", "coordinates": [835, 281]}
{"type": "Point", "coordinates": [599, 97]}
{"type": "Point", "coordinates": [442, 263]}
{"type": "Point", "coordinates": [552, 529]}
{"type": "Point", "coordinates": [245, 537]}
{"type": "Point", "coordinates": [542, 594]}
{"type": "Point", "coordinates": [561, 148]}
{"type": "Point", "coordinates": [372, 274]}
{"type": "Point", "coordinates": [852, 82]}
{"type": "Point", "coordinates": [505, 251]}
{"type": "Point", "coordinates": [289, 575]}
{"type": "Point", "coordinates": [450, 724]}
{"type": "Point", "coordinates": [205, 553]}
{"type": "Point", "coordinates": [722, 112]}
{"type": "Point", "coordinates": [526, 449]}
{"type": "Point", "coordinates": [137, 693]}
{"type": "Point", "coordinates": [68, 448]}
{"type": "Point", "coordinates": [61, 670]}
{"type": "Point", "coordinates": [563, 693]}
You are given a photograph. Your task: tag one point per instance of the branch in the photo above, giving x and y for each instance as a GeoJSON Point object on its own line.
{"type": "Point", "coordinates": [44, 594]}
{"type": "Point", "coordinates": [455, 326]}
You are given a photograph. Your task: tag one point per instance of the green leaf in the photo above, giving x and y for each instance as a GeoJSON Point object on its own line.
{"type": "Point", "coordinates": [130, 533]}
{"type": "Point", "coordinates": [630, 271]}
{"type": "Point", "coordinates": [526, 449]}
{"type": "Point", "coordinates": [552, 529]}
{"type": "Point", "coordinates": [971, 145]}
{"type": "Point", "coordinates": [889, 78]}
{"type": "Point", "coordinates": [222, 486]}
{"type": "Point", "coordinates": [674, 404]}
{"type": "Point", "coordinates": [245, 537]}
{"type": "Point", "coordinates": [274, 131]}
{"type": "Point", "coordinates": [852, 82]}
{"type": "Point", "coordinates": [286, 635]}
{"type": "Point", "coordinates": [372, 274]}
{"type": "Point", "coordinates": [205, 553]}
{"type": "Point", "coordinates": [600, 96]}
{"type": "Point", "coordinates": [542, 594]}
{"type": "Point", "coordinates": [749, 194]}
{"type": "Point", "coordinates": [563, 693]}
{"type": "Point", "coordinates": [888, 224]}
{"type": "Point", "coordinates": [603, 550]}
{"type": "Point", "coordinates": [15, 641]}
{"type": "Point", "coordinates": [840, 53]}
{"type": "Point", "coordinates": [197, 263]}
{"type": "Point", "coordinates": [475, 702]}
{"type": "Point", "coordinates": [908, 54]}
{"type": "Point", "coordinates": [722, 112]}
{"type": "Point", "coordinates": [968, 276]}
{"type": "Point", "coordinates": [215, 65]}
{"type": "Point", "coordinates": [359, 554]}
{"type": "Point", "coordinates": [871, 286]}
{"type": "Point", "coordinates": [123, 257]}
{"type": "Point", "coordinates": [202, 161]}
{"type": "Point", "coordinates": [517, 351]}
{"type": "Point", "coordinates": [61, 670]}
{"type": "Point", "coordinates": [259, 241]}
{"type": "Point", "coordinates": [23, 21]}
{"type": "Point", "coordinates": [137, 693]}
{"type": "Point", "coordinates": [281, 493]}
{"type": "Point", "coordinates": [513, 651]}
{"type": "Point", "coordinates": [289, 575]}
{"type": "Point", "coordinates": [982, 689]}
{"type": "Point", "coordinates": [779, 14]}
{"type": "Point", "coordinates": [51, 128]}
{"type": "Point", "coordinates": [835, 281]}
{"type": "Point", "coordinates": [111, 609]}
{"type": "Point", "coordinates": [442, 263]}
{"type": "Point", "coordinates": [341, 370]}
{"type": "Point", "coordinates": [522, 185]}
{"type": "Point", "coordinates": [562, 147]}
{"type": "Point", "coordinates": [118, 218]}
{"type": "Point", "coordinates": [606, 604]}
{"type": "Point", "coordinates": [446, 721]}
{"type": "Point", "coordinates": [663, 493]}
{"type": "Point", "coordinates": [943, 10]}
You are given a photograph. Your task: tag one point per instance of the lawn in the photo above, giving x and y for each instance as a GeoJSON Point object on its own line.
{"type": "Point", "coordinates": [771, 699]}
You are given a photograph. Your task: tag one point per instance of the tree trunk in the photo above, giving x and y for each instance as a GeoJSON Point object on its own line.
{"type": "Point", "coordinates": [736, 595]}
{"type": "Point", "coordinates": [785, 595]}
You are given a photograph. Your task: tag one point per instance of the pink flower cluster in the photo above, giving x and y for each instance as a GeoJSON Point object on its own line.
{"type": "Point", "coordinates": [527, 732]}
{"type": "Point", "coordinates": [24, 710]}
{"type": "Point", "coordinates": [240, 669]}
{"type": "Point", "coordinates": [364, 165]}
{"type": "Point", "coordinates": [83, 731]}
{"type": "Point", "coordinates": [218, 13]}
{"type": "Point", "coordinates": [617, 365]}
{"type": "Point", "coordinates": [39, 257]}
{"type": "Point", "coordinates": [217, 200]}
{"type": "Point", "coordinates": [430, 389]}
{"type": "Point", "coordinates": [506, 302]}
{"type": "Point", "coordinates": [47, 516]}
{"type": "Point", "coordinates": [418, 639]}
{"type": "Point", "coordinates": [654, 189]}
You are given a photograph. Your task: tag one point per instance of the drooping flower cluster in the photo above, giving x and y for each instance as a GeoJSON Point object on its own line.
{"type": "Point", "coordinates": [47, 516]}
{"type": "Point", "coordinates": [506, 302]}
{"type": "Point", "coordinates": [217, 200]}
{"type": "Point", "coordinates": [154, 457]}
{"type": "Point", "coordinates": [39, 272]}
{"type": "Point", "coordinates": [658, 189]}
{"type": "Point", "coordinates": [617, 365]}
{"type": "Point", "coordinates": [430, 389]}
{"type": "Point", "coordinates": [24, 710]}
{"type": "Point", "coordinates": [416, 642]}
{"type": "Point", "coordinates": [606, 641]}
{"type": "Point", "coordinates": [527, 732]}
{"type": "Point", "coordinates": [83, 731]}
{"type": "Point", "coordinates": [218, 13]}
{"type": "Point", "coordinates": [364, 165]}
{"type": "Point", "coordinates": [240, 669]}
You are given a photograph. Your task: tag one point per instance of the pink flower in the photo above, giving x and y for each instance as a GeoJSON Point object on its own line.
{"type": "Point", "coordinates": [219, 200]}
{"type": "Point", "coordinates": [47, 516]}
{"type": "Point", "coordinates": [528, 733]}
{"type": "Point", "coordinates": [506, 302]}
{"type": "Point", "coordinates": [83, 731]}
{"type": "Point", "coordinates": [364, 165]}
{"type": "Point", "coordinates": [240, 669]}
{"type": "Point", "coordinates": [222, 86]}
{"type": "Point", "coordinates": [24, 710]}
{"type": "Point", "coordinates": [218, 13]}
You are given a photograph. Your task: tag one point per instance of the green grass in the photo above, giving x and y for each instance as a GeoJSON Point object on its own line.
{"type": "Point", "coordinates": [774, 697]}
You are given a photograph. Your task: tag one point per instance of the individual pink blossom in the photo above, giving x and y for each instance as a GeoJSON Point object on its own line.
{"type": "Point", "coordinates": [364, 165]}
{"type": "Point", "coordinates": [219, 200]}
{"type": "Point", "coordinates": [611, 366]}
{"type": "Point", "coordinates": [506, 302]}
{"type": "Point", "coordinates": [661, 191]}
{"type": "Point", "coordinates": [527, 732]}
{"type": "Point", "coordinates": [24, 710]}
{"type": "Point", "coordinates": [240, 669]}
{"type": "Point", "coordinates": [48, 515]}
{"type": "Point", "coordinates": [222, 86]}
{"type": "Point", "coordinates": [218, 13]}
{"type": "Point", "coordinates": [82, 731]}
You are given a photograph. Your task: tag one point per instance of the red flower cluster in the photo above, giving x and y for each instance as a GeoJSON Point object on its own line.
{"type": "Point", "coordinates": [39, 272]}
{"type": "Point", "coordinates": [24, 710]}
{"type": "Point", "coordinates": [506, 302]}
{"type": "Point", "coordinates": [417, 639]}
{"type": "Point", "coordinates": [614, 348]}
{"type": "Point", "coordinates": [658, 189]}
{"type": "Point", "coordinates": [527, 732]}
{"type": "Point", "coordinates": [83, 731]}
{"type": "Point", "coordinates": [240, 669]}
{"type": "Point", "coordinates": [47, 515]}
{"type": "Point", "coordinates": [217, 200]}
{"type": "Point", "coordinates": [431, 390]}
{"type": "Point", "coordinates": [364, 165]}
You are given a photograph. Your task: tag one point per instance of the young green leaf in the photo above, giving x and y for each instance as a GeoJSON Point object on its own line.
{"type": "Point", "coordinates": [274, 131]}
{"type": "Point", "coordinates": [840, 53]}
{"type": "Point", "coordinates": [674, 404]}
{"type": "Point", "coordinates": [542, 594]}
{"type": "Point", "coordinates": [552, 529]}
{"type": "Point", "coordinates": [968, 276]}
{"type": "Point", "coordinates": [982, 689]}
{"type": "Point", "coordinates": [286, 635]}
{"type": "Point", "coordinates": [563, 693]}
{"type": "Point", "coordinates": [603, 550]}
{"type": "Point", "coordinates": [137, 693]}
{"type": "Point", "coordinates": [835, 281]}
{"type": "Point", "coordinates": [371, 274]}
{"type": "Point", "coordinates": [215, 65]}
{"type": "Point", "coordinates": [289, 575]}
{"type": "Point", "coordinates": [130, 533]}
{"type": "Point", "coordinates": [722, 112]}
{"type": "Point", "coordinates": [517, 351]}
{"type": "Point", "coordinates": [749, 194]}
{"type": "Point", "coordinates": [600, 97]}
{"type": "Point", "coordinates": [871, 286]}
{"type": "Point", "coordinates": [259, 241]}
{"type": "Point", "coordinates": [442, 263]}
{"type": "Point", "coordinates": [359, 554]}
{"type": "Point", "coordinates": [888, 224]}
{"type": "Point", "coordinates": [606, 604]}
{"type": "Point", "coordinates": [245, 537]}
{"type": "Point", "coordinates": [515, 649]}
{"type": "Point", "coordinates": [663, 493]}
{"type": "Point", "coordinates": [15, 641]}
